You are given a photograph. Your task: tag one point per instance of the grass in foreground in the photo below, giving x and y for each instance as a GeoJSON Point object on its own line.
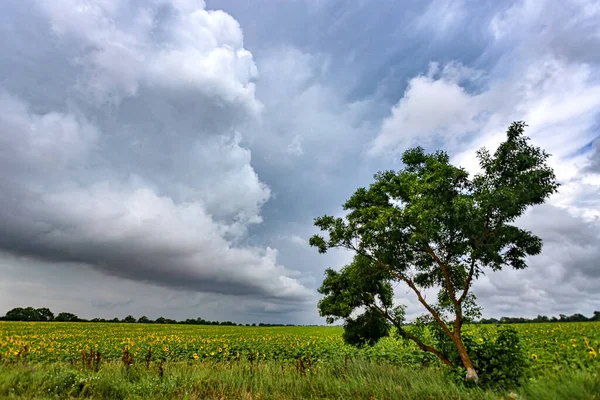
{"type": "Point", "coordinates": [270, 380]}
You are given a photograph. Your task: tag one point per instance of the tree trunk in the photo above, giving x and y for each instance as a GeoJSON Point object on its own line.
{"type": "Point", "coordinates": [464, 357]}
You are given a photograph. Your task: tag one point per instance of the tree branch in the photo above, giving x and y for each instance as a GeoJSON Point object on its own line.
{"type": "Point", "coordinates": [451, 292]}
{"type": "Point", "coordinates": [463, 296]}
{"type": "Point", "coordinates": [486, 233]}
{"type": "Point", "coordinates": [415, 339]}
{"type": "Point", "coordinates": [411, 285]}
{"type": "Point", "coordinates": [447, 278]}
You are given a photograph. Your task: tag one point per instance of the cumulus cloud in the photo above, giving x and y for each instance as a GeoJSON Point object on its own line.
{"type": "Point", "coordinates": [434, 105]}
{"type": "Point", "coordinates": [170, 45]}
{"type": "Point", "coordinates": [139, 171]}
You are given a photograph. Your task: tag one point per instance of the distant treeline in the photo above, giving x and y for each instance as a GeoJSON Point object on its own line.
{"type": "Point", "coordinates": [542, 318]}
{"type": "Point", "coordinates": [45, 315]}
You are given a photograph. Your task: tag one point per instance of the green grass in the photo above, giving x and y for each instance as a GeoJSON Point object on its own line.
{"type": "Point", "coordinates": [358, 379]}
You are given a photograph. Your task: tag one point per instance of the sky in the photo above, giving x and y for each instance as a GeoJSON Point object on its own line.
{"type": "Point", "coordinates": [168, 157]}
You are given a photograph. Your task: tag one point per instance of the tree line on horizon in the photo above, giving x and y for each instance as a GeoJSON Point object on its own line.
{"type": "Point", "coordinates": [577, 317]}
{"type": "Point", "coordinates": [31, 314]}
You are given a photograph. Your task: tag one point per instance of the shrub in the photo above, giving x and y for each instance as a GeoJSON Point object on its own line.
{"type": "Point", "coordinates": [499, 360]}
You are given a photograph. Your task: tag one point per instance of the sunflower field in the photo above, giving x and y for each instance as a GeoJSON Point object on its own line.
{"type": "Point", "coordinates": [547, 345]}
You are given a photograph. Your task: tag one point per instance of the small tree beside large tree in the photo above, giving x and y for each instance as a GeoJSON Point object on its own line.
{"type": "Point", "coordinates": [432, 226]}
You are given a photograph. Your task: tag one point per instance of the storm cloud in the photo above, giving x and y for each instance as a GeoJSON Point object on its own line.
{"type": "Point", "coordinates": [139, 172]}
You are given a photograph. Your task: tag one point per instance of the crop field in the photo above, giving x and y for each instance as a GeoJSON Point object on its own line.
{"type": "Point", "coordinates": [551, 345]}
{"type": "Point", "coordinates": [47, 360]}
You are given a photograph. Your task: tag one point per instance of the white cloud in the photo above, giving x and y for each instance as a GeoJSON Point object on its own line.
{"type": "Point", "coordinates": [431, 108]}
{"type": "Point", "coordinates": [177, 46]}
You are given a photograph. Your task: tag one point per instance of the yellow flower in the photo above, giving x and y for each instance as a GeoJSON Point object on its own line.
{"type": "Point", "coordinates": [195, 356]}
{"type": "Point", "coordinates": [534, 356]}
{"type": "Point", "coordinates": [212, 353]}
{"type": "Point", "coordinates": [220, 350]}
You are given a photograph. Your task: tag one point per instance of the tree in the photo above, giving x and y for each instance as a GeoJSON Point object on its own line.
{"type": "Point", "coordinates": [563, 318]}
{"type": "Point", "coordinates": [428, 226]}
{"type": "Point", "coordinates": [130, 319]}
{"type": "Point", "coordinates": [144, 320]}
{"type": "Point", "coordinates": [66, 317]}
{"type": "Point", "coordinates": [29, 314]}
{"type": "Point", "coordinates": [22, 314]}
{"type": "Point", "coordinates": [45, 314]}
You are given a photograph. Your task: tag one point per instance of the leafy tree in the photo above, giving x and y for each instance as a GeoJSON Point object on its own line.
{"type": "Point", "coordinates": [66, 317]}
{"type": "Point", "coordinates": [577, 318]}
{"type": "Point", "coordinates": [23, 314]}
{"type": "Point", "coordinates": [29, 314]}
{"type": "Point", "coordinates": [428, 226]}
{"type": "Point", "coordinates": [45, 314]}
{"type": "Point", "coordinates": [129, 319]}
{"type": "Point", "coordinates": [563, 317]}
{"type": "Point", "coordinates": [144, 320]}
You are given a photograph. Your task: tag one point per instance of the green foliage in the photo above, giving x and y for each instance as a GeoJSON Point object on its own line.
{"type": "Point", "coordinates": [500, 360]}
{"type": "Point", "coordinates": [367, 329]}
{"type": "Point", "coordinates": [66, 317]}
{"type": "Point", "coordinates": [129, 319]}
{"type": "Point", "coordinates": [29, 314]}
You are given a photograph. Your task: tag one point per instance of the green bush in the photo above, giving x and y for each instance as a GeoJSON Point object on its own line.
{"type": "Point", "coordinates": [500, 362]}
